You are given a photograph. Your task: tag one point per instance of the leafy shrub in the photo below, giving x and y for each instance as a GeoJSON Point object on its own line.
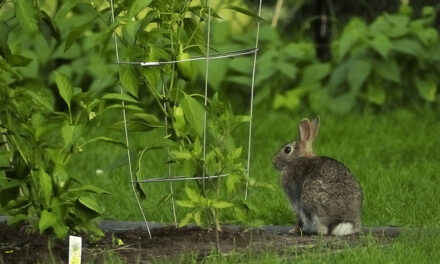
{"type": "Point", "coordinates": [173, 119]}
{"type": "Point", "coordinates": [384, 63]}
{"type": "Point", "coordinates": [44, 117]}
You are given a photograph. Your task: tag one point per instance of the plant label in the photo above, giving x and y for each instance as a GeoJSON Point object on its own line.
{"type": "Point", "coordinates": [75, 250]}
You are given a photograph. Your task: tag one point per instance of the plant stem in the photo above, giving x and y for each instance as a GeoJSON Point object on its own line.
{"type": "Point", "coordinates": [49, 247]}
{"type": "Point", "coordinates": [70, 115]}
{"type": "Point", "coordinates": [5, 139]}
{"type": "Point", "coordinates": [217, 235]}
{"type": "Point", "coordinates": [277, 12]}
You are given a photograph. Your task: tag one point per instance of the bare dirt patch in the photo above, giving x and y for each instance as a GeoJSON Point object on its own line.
{"type": "Point", "coordinates": [17, 246]}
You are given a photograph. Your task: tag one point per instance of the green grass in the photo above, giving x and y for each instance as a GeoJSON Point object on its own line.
{"type": "Point", "coordinates": [393, 155]}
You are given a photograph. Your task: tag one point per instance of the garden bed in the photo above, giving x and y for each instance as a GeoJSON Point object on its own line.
{"type": "Point", "coordinates": [168, 243]}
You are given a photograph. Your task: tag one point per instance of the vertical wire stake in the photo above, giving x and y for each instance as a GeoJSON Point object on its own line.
{"type": "Point", "coordinates": [206, 90]}
{"type": "Point", "coordinates": [126, 134]}
{"type": "Point", "coordinates": [252, 105]}
{"type": "Point", "coordinates": [168, 159]}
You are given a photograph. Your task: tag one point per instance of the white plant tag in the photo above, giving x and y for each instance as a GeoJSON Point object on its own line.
{"type": "Point", "coordinates": [75, 244]}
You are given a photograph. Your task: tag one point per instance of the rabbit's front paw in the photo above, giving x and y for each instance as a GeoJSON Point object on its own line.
{"type": "Point", "coordinates": [296, 231]}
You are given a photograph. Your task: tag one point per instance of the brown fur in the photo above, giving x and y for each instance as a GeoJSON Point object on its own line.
{"type": "Point", "coordinates": [318, 187]}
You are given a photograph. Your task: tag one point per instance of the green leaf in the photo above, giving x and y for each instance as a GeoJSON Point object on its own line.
{"type": "Point", "coordinates": [376, 95]}
{"type": "Point", "coordinates": [74, 35]}
{"type": "Point", "coordinates": [240, 80]}
{"type": "Point", "coordinates": [338, 76]}
{"type": "Point", "coordinates": [18, 60]}
{"type": "Point", "coordinates": [290, 99]}
{"type": "Point", "coordinates": [428, 11]}
{"type": "Point", "coordinates": [355, 30]}
{"type": "Point", "coordinates": [408, 46]}
{"type": "Point", "coordinates": [61, 230]}
{"type": "Point", "coordinates": [427, 36]}
{"type": "Point", "coordinates": [126, 107]}
{"type": "Point", "coordinates": [245, 12]}
{"type": "Point", "coordinates": [137, 7]}
{"type": "Point", "coordinates": [151, 74]}
{"type": "Point", "coordinates": [382, 45]}
{"type": "Point", "coordinates": [220, 67]}
{"type": "Point", "coordinates": [120, 97]}
{"type": "Point", "coordinates": [231, 182]}
{"type": "Point", "coordinates": [427, 88]}
{"type": "Point", "coordinates": [155, 138]}
{"type": "Point", "coordinates": [129, 79]}
{"type": "Point", "coordinates": [222, 204]}
{"type": "Point", "coordinates": [379, 27]}
{"type": "Point", "coordinates": [194, 113]}
{"type": "Point", "coordinates": [46, 186]}
{"type": "Point", "coordinates": [343, 103]}
{"type": "Point", "coordinates": [242, 65]}
{"type": "Point", "coordinates": [243, 118]}
{"type": "Point", "coordinates": [48, 28]}
{"type": "Point", "coordinates": [130, 31]}
{"type": "Point", "coordinates": [300, 51]}
{"type": "Point", "coordinates": [17, 219]}
{"type": "Point", "coordinates": [185, 220]}
{"type": "Point", "coordinates": [65, 87]}
{"type": "Point", "coordinates": [89, 188]}
{"type": "Point", "coordinates": [388, 70]}
{"type": "Point", "coordinates": [315, 72]}
{"type": "Point", "coordinates": [27, 15]}
{"type": "Point", "coordinates": [66, 6]}
{"type": "Point", "coordinates": [289, 70]}
{"type": "Point", "coordinates": [399, 25]}
{"type": "Point", "coordinates": [358, 71]}
{"type": "Point", "coordinates": [180, 155]}
{"type": "Point", "coordinates": [71, 134]}
{"type": "Point", "coordinates": [47, 220]}
{"type": "Point", "coordinates": [187, 204]}
{"type": "Point", "coordinates": [197, 218]}
{"type": "Point", "coordinates": [192, 194]}
{"type": "Point", "coordinates": [4, 33]}
{"type": "Point", "coordinates": [90, 203]}
{"type": "Point", "coordinates": [240, 214]}
{"type": "Point", "coordinates": [60, 175]}
{"type": "Point", "coordinates": [191, 27]}
{"type": "Point", "coordinates": [41, 99]}
{"type": "Point", "coordinates": [150, 119]}
{"type": "Point", "coordinates": [108, 140]}
{"type": "Point", "coordinates": [132, 126]}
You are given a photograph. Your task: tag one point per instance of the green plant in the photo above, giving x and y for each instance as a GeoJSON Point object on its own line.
{"type": "Point", "coordinates": [175, 121]}
{"type": "Point", "coordinates": [44, 118]}
{"type": "Point", "coordinates": [384, 63]}
{"type": "Point", "coordinates": [37, 186]}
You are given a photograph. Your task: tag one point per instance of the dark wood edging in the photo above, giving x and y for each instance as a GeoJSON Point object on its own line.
{"type": "Point", "coordinates": [109, 225]}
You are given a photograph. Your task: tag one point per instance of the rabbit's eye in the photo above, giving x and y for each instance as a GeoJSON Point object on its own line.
{"type": "Point", "coordinates": [287, 150]}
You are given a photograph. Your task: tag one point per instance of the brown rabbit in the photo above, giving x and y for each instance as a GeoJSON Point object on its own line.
{"type": "Point", "coordinates": [324, 194]}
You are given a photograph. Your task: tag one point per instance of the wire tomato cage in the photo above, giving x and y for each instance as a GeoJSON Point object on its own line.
{"type": "Point", "coordinates": [209, 56]}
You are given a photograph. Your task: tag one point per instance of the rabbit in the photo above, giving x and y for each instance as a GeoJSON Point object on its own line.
{"type": "Point", "coordinates": [327, 199]}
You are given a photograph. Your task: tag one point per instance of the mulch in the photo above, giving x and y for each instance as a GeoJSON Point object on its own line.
{"type": "Point", "coordinates": [19, 245]}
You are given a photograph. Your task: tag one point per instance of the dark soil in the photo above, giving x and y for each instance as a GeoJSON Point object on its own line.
{"type": "Point", "coordinates": [18, 246]}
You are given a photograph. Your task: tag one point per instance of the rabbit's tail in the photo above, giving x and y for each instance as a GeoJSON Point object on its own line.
{"type": "Point", "coordinates": [344, 229]}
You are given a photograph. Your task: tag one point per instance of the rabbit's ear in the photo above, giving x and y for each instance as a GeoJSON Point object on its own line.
{"type": "Point", "coordinates": [314, 126]}
{"type": "Point", "coordinates": [304, 130]}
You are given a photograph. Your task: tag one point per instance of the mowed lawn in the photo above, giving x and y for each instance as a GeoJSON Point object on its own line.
{"type": "Point", "coordinates": [394, 155]}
